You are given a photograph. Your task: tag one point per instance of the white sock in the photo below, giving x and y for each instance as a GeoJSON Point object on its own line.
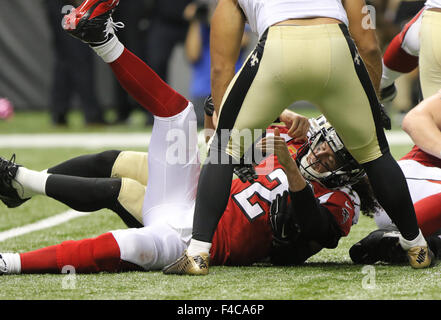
{"type": "Point", "coordinates": [111, 50]}
{"type": "Point", "coordinates": [388, 77]}
{"type": "Point", "coordinates": [13, 263]}
{"type": "Point", "coordinates": [197, 247]}
{"type": "Point", "coordinates": [419, 241]}
{"type": "Point", "coordinates": [29, 182]}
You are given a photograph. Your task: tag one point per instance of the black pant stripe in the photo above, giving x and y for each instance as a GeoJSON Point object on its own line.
{"type": "Point", "coordinates": [237, 94]}
{"type": "Point", "coordinates": [368, 87]}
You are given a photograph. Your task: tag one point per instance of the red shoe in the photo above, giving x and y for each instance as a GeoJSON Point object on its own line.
{"type": "Point", "coordinates": [92, 21]}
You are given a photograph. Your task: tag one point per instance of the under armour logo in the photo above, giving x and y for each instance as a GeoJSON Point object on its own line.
{"type": "Point", "coordinates": [357, 58]}
{"type": "Point", "coordinates": [254, 59]}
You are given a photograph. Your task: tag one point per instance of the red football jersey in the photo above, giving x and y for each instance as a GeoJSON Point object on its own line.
{"type": "Point", "coordinates": [244, 235]}
{"type": "Point", "coordinates": [422, 157]}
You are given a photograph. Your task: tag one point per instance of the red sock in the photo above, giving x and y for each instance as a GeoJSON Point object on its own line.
{"type": "Point", "coordinates": [397, 59]}
{"type": "Point", "coordinates": [86, 256]}
{"type": "Point", "coordinates": [428, 212]}
{"type": "Point", "coordinates": [40, 261]}
{"type": "Point", "coordinates": [146, 87]}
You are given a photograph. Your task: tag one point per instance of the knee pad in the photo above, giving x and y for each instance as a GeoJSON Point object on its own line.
{"type": "Point", "coordinates": [137, 246]}
{"type": "Point", "coordinates": [133, 165]}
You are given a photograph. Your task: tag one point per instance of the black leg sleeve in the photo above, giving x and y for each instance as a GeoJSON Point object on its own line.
{"type": "Point", "coordinates": [212, 198]}
{"type": "Point", "coordinates": [391, 190]}
{"type": "Point", "coordinates": [93, 166]}
{"type": "Point", "coordinates": [89, 194]}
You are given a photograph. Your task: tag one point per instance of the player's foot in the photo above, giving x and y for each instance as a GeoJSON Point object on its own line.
{"type": "Point", "coordinates": [190, 265]}
{"type": "Point", "coordinates": [3, 266]}
{"type": "Point", "coordinates": [92, 21]}
{"type": "Point", "coordinates": [379, 245]}
{"type": "Point", "coordinates": [8, 194]}
{"type": "Point", "coordinates": [388, 94]}
{"type": "Point", "coordinates": [420, 257]}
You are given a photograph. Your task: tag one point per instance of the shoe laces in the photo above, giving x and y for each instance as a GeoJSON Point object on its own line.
{"type": "Point", "coordinates": [112, 26]}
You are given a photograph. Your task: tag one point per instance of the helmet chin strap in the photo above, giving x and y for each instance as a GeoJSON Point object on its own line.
{"type": "Point", "coordinates": [308, 172]}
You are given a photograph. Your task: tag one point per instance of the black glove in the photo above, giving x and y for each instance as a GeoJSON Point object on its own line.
{"type": "Point", "coordinates": [209, 106]}
{"type": "Point", "coordinates": [245, 172]}
{"type": "Point", "coordinates": [285, 231]}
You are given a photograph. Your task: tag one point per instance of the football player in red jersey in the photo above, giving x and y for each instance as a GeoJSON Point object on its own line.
{"type": "Point", "coordinates": [155, 194]}
{"type": "Point", "coordinates": [259, 221]}
{"type": "Point", "coordinates": [422, 168]}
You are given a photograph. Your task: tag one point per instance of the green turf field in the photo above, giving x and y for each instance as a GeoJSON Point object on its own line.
{"type": "Point", "coordinates": [330, 275]}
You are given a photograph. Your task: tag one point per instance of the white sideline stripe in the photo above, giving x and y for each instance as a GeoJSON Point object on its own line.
{"type": "Point", "coordinates": [42, 224]}
{"type": "Point", "coordinates": [86, 140]}
{"type": "Point", "coordinates": [106, 140]}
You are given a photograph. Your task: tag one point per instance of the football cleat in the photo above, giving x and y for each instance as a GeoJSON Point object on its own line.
{"type": "Point", "coordinates": [189, 265]}
{"type": "Point", "coordinates": [388, 94]}
{"type": "Point", "coordinates": [434, 242]}
{"type": "Point", "coordinates": [420, 257]}
{"type": "Point", "coordinates": [380, 245]}
{"type": "Point", "coordinates": [3, 266]}
{"type": "Point", "coordinates": [92, 21]}
{"type": "Point", "coordinates": [8, 194]}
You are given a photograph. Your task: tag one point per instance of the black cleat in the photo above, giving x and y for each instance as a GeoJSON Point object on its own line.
{"type": "Point", "coordinates": [380, 245]}
{"type": "Point", "coordinates": [8, 194]}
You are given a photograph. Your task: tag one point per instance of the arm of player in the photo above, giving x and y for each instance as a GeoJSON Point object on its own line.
{"type": "Point", "coordinates": [277, 145]}
{"type": "Point", "coordinates": [298, 125]}
{"type": "Point", "coordinates": [226, 32]}
{"type": "Point", "coordinates": [423, 125]}
{"type": "Point", "coordinates": [365, 38]}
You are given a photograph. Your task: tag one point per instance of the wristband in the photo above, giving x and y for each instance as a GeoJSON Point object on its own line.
{"type": "Point", "coordinates": [209, 106]}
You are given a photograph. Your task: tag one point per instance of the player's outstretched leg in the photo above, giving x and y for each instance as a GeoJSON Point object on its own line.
{"type": "Point", "coordinates": [92, 23]}
{"type": "Point", "coordinates": [86, 21]}
{"type": "Point", "coordinates": [100, 254]}
{"type": "Point", "coordinates": [120, 194]}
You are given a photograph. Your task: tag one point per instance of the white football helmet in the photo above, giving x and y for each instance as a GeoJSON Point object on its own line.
{"type": "Point", "coordinates": [348, 170]}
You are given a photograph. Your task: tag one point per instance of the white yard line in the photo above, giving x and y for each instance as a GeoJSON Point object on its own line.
{"type": "Point", "coordinates": [107, 140]}
{"type": "Point", "coordinates": [42, 224]}
{"type": "Point", "coordinates": [86, 140]}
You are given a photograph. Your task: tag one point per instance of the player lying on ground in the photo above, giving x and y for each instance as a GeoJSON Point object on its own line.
{"type": "Point", "coordinates": [262, 219]}
{"type": "Point", "coordinates": [422, 168]}
{"type": "Point", "coordinates": [164, 206]}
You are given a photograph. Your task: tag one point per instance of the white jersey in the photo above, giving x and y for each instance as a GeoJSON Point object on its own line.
{"type": "Point", "coordinates": [262, 14]}
{"type": "Point", "coordinates": [423, 182]}
{"type": "Point", "coordinates": [433, 3]}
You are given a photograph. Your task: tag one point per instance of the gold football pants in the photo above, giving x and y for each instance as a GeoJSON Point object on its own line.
{"type": "Point", "coordinates": [317, 63]}
{"type": "Point", "coordinates": [430, 53]}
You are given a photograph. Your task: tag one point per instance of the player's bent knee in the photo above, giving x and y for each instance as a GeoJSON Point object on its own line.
{"type": "Point", "coordinates": [106, 158]}
{"type": "Point", "coordinates": [137, 247]}
{"type": "Point", "coordinates": [131, 164]}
